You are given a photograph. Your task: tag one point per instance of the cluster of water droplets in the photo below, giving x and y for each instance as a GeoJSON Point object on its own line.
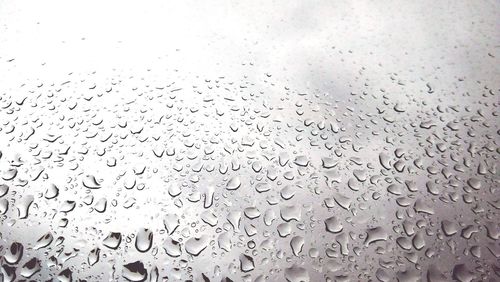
{"type": "Point", "coordinates": [246, 180]}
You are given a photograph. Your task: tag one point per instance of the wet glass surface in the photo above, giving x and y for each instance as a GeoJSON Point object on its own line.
{"type": "Point", "coordinates": [261, 141]}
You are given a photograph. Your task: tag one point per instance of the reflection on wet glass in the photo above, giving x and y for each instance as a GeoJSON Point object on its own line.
{"type": "Point", "coordinates": [243, 174]}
